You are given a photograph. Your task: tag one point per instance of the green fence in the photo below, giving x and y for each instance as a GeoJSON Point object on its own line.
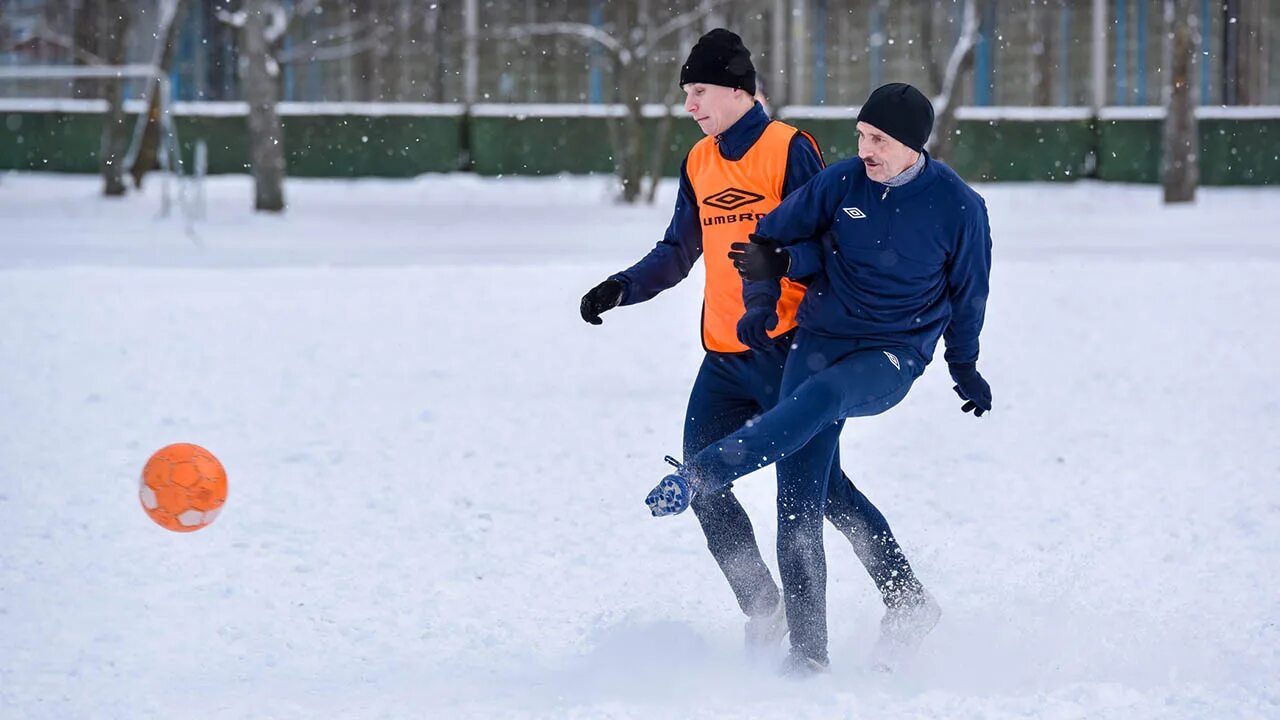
{"type": "Point", "coordinates": [1233, 151]}
{"type": "Point", "coordinates": [316, 145]}
{"type": "Point", "coordinates": [992, 146]}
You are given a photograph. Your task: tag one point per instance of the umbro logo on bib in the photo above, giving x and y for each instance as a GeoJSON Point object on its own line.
{"type": "Point", "coordinates": [855, 213]}
{"type": "Point", "coordinates": [732, 199]}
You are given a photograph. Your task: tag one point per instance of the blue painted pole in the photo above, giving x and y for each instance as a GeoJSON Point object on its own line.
{"type": "Point", "coordinates": [595, 79]}
{"type": "Point", "coordinates": [982, 63]}
{"type": "Point", "coordinates": [288, 71]}
{"type": "Point", "coordinates": [1141, 90]}
{"type": "Point", "coordinates": [182, 55]}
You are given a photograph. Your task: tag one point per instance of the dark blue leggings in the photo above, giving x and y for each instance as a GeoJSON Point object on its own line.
{"type": "Point", "coordinates": [731, 391]}
{"type": "Point", "coordinates": [824, 381]}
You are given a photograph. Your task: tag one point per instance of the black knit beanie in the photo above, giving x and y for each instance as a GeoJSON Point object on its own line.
{"type": "Point", "coordinates": [902, 112]}
{"type": "Point", "coordinates": [720, 58]}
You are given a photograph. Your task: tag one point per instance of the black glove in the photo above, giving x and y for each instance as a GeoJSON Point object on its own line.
{"type": "Point", "coordinates": [762, 259]}
{"type": "Point", "coordinates": [600, 298]}
{"type": "Point", "coordinates": [754, 327]}
{"type": "Point", "coordinates": [971, 388]}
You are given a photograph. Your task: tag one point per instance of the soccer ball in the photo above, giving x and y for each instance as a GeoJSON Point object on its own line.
{"type": "Point", "coordinates": [183, 487]}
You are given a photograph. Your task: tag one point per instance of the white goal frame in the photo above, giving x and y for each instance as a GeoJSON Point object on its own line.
{"type": "Point", "coordinates": [170, 155]}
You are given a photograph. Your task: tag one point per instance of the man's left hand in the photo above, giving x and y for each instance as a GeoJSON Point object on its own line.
{"type": "Point", "coordinates": [971, 388]}
{"type": "Point", "coordinates": [754, 327]}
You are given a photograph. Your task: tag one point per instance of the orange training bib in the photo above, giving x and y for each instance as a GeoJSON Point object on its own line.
{"type": "Point", "coordinates": [732, 196]}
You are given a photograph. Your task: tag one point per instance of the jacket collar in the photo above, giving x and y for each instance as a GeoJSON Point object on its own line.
{"type": "Point", "coordinates": [928, 175]}
{"type": "Point", "coordinates": [738, 139]}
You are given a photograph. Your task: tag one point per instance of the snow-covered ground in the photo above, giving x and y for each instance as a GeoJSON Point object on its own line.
{"type": "Point", "coordinates": [437, 470]}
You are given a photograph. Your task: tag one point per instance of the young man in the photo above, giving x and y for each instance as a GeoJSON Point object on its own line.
{"type": "Point", "coordinates": [906, 260]}
{"type": "Point", "coordinates": [742, 169]}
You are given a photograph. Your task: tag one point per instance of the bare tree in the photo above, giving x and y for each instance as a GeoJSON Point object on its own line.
{"type": "Point", "coordinates": [87, 36]}
{"type": "Point", "coordinates": [434, 40]}
{"type": "Point", "coordinates": [262, 23]}
{"type": "Point", "coordinates": [148, 151]}
{"type": "Point", "coordinates": [370, 58]}
{"type": "Point", "coordinates": [99, 37]}
{"type": "Point", "coordinates": [949, 78]}
{"type": "Point", "coordinates": [929, 46]}
{"type": "Point", "coordinates": [113, 44]}
{"type": "Point", "coordinates": [399, 78]}
{"type": "Point", "coordinates": [1244, 52]}
{"type": "Point", "coordinates": [266, 135]}
{"type": "Point", "coordinates": [1180, 156]}
{"type": "Point", "coordinates": [630, 44]}
{"type": "Point", "coordinates": [658, 153]}
{"type": "Point", "coordinates": [348, 41]}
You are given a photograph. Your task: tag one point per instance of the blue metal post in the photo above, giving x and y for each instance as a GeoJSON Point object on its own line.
{"type": "Point", "coordinates": [595, 78]}
{"type": "Point", "coordinates": [288, 70]}
{"type": "Point", "coordinates": [982, 61]}
{"type": "Point", "coordinates": [182, 55]}
{"type": "Point", "coordinates": [1141, 90]}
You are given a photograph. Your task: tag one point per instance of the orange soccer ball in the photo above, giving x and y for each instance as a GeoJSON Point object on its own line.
{"type": "Point", "coordinates": [183, 487]}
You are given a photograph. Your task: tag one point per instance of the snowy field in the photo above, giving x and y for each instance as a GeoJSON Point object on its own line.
{"type": "Point", "coordinates": [437, 470]}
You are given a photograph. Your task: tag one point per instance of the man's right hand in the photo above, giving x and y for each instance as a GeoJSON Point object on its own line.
{"type": "Point", "coordinates": [600, 298]}
{"type": "Point", "coordinates": [761, 259]}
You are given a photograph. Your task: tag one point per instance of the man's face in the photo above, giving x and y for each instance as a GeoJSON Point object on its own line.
{"type": "Point", "coordinates": [883, 156]}
{"type": "Point", "coordinates": [715, 107]}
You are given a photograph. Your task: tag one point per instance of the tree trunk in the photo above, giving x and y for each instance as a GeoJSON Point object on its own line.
{"type": "Point", "coordinates": [1243, 52]}
{"type": "Point", "coordinates": [955, 78]}
{"type": "Point", "coordinates": [658, 153]}
{"type": "Point", "coordinates": [628, 161]}
{"type": "Point", "coordinates": [266, 137]}
{"type": "Point", "coordinates": [113, 43]}
{"type": "Point", "coordinates": [1180, 158]}
{"type": "Point", "coordinates": [88, 39]}
{"type": "Point", "coordinates": [369, 61]}
{"type": "Point", "coordinates": [167, 37]}
{"type": "Point", "coordinates": [399, 73]}
{"type": "Point", "coordinates": [470, 52]}
{"type": "Point", "coordinates": [434, 47]}
{"type": "Point", "coordinates": [929, 41]}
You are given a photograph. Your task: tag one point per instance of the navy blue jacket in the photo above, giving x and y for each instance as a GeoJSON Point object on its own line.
{"type": "Point", "coordinates": [901, 266]}
{"type": "Point", "coordinates": [671, 259]}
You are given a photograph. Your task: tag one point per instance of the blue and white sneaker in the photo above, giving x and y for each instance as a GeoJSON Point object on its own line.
{"type": "Point", "coordinates": [673, 495]}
